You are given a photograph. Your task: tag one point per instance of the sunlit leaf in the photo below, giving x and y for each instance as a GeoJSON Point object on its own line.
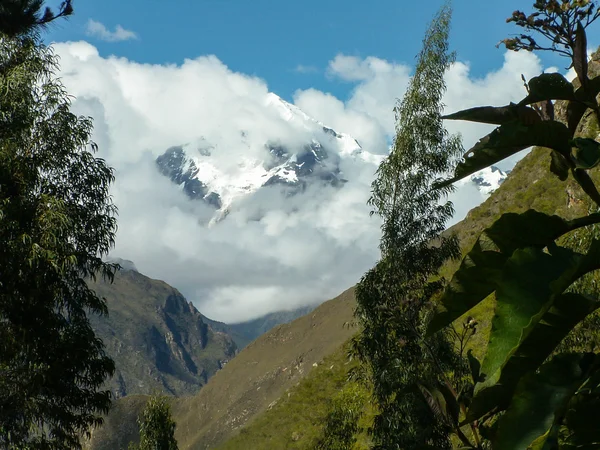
{"type": "Point", "coordinates": [479, 272]}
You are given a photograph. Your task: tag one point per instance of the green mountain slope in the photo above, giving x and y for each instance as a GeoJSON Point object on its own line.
{"type": "Point", "coordinates": [158, 340]}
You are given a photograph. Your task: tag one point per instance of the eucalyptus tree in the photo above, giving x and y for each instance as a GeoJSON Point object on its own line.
{"type": "Point", "coordinates": [408, 371]}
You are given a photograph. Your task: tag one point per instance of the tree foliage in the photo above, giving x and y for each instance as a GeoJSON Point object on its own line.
{"type": "Point", "coordinates": [409, 372]}
{"type": "Point", "coordinates": [57, 220]}
{"type": "Point", "coordinates": [157, 427]}
{"type": "Point", "coordinates": [536, 383]}
{"type": "Point", "coordinates": [21, 17]}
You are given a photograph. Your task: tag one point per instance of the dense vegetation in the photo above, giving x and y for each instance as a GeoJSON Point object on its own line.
{"type": "Point", "coordinates": [527, 390]}
{"type": "Point", "coordinates": [57, 220]}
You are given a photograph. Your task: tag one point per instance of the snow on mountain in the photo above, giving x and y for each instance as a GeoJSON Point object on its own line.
{"type": "Point", "coordinates": [489, 179]}
{"type": "Point", "coordinates": [291, 166]}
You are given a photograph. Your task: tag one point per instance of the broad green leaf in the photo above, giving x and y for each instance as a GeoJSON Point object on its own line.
{"type": "Point", "coordinates": [559, 165]}
{"type": "Point", "coordinates": [586, 153]}
{"type": "Point", "coordinates": [548, 86]}
{"type": "Point", "coordinates": [508, 139]}
{"type": "Point", "coordinates": [525, 292]}
{"type": "Point", "coordinates": [541, 398]}
{"type": "Point", "coordinates": [480, 269]}
{"type": "Point", "coordinates": [496, 115]}
{"type": "Point", "coordinates": [566, 311]}
{"type": "Point", "coordinates": [472, 283]}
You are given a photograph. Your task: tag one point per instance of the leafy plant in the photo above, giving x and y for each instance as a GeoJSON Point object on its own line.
{"type": "Point", "coordinates": [157, 427]}
{"type": "Point", "coordinates": [525, 394]}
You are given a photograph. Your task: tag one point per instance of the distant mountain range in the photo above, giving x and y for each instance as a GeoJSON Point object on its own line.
{"type": "Point", "coordinates": [159, 340]}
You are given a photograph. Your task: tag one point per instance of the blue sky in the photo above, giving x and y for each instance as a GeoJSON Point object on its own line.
{"type": "Point", "coordinates": [271, 39]}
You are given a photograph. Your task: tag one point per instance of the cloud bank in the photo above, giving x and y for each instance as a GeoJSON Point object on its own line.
{"type": "Point", "coordinates": [301, 250]}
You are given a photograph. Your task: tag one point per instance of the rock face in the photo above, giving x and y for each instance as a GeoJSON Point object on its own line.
{"type": "Point", "coordinates": [157, 338]}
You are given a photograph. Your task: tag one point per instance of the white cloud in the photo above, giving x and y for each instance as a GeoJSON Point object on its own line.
{"type": "Point", "coordinates": [303, 249]}
{"type": "Point", "coordinates": [99, 30]}
{"type": "Point", "coordinates": [301, 68]}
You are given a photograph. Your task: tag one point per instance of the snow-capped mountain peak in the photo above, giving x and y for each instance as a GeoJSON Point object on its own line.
{"type": "Point", "coordinates": [291, 165]}
{"type": "Point", "coordinates": [489, 179]}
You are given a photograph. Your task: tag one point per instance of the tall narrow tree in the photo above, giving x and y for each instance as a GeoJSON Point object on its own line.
{"type": "Point", "coordinates": [393, 298]}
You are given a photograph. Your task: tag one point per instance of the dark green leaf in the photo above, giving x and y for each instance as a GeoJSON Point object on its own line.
{"type": "Point", "coordinates": [509, 139]}
{"type": "Point", "coordinates": [581, 419]}
{"type": "Point", "coordinates": [480, 269]}
{"type": "Point", "coordinates": [586, 153]}
{"type": "Point", "coordinates": [475, 366]}
{"type": "Point", "coordinates": [496, 115]}
{"type": "Point", "coordinates": [548, 86]}
{"type": "Point", "coordinates": [538, 400]}
{"type": "Point", "coordinates": [575, 111]}
{"type": "Point", "coordinates": [559, 165]}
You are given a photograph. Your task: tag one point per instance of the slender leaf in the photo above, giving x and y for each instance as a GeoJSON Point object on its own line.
{"type": "Point", "coordinates": [575, 112]}
{"type": "Point", "coordinates": [580, 62]}
{"type": "Point", "coordinates": [587, 184]}
{"type": "Point", "coordinates": [497, 115]}
{"type": "Point", "coordinates": [559, 165]}
{"type": "Point", "coordinates": [474, 366]}
{"type": "Point", "coordinates": [508, 139]}
{"type": "Point", "coordinates": [538, 400]}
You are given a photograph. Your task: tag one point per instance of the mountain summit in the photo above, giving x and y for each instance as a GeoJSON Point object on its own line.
{"type": "Point", "coordinates": [315, 154]}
